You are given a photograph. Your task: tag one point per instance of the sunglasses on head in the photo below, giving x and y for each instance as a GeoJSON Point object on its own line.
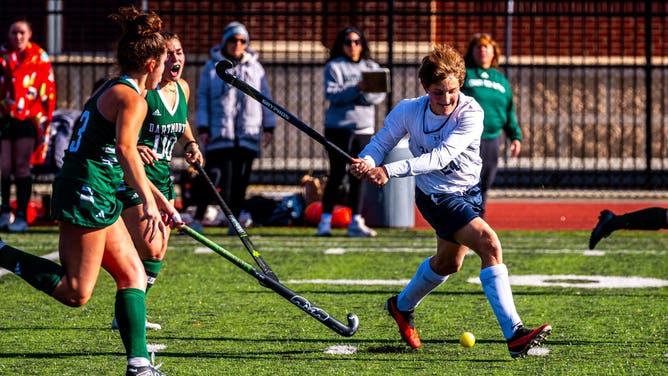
{"type": "Point", "coordinates": [350, 42]}
{"type": "Point", "coordinates": [237, 40]}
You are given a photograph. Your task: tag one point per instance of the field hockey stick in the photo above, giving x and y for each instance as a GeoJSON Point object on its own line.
{"type": "Point", "coordinates": [294, 298]}
{"type": "Point", "coordinates": [241, 232]}
{"type": "Point", "coordinates": [221, 69]}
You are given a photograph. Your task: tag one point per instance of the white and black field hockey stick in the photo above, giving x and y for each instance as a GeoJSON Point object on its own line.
{"type": "Point", "coordinates": [221, 69]}
{"type": "Point", "coordinates": [241, 232]}
{"type": "Point", "coordinates": [294, 298]}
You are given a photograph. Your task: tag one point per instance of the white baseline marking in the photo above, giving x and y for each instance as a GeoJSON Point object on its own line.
{"type": "Point", "coordinates": [582, 281]}
{"type": "Point", "coordinates": [574, 281]}
{"type": "Point", "coordinates": [155, 347]}
{"type": "Point", "coordinates": [539, 351]}
{"type": "Point", "coordinates": [432, 250]}
{"type": "Point", "coordinates": [584, 252]}
{"type": "Point", "coordinates": [341, 350]}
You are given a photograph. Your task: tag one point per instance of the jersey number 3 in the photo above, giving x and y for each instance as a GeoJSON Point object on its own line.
{"type": "Point", "coordinates": [83, 123]}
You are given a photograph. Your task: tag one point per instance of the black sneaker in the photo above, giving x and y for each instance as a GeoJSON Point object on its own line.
{"type": "Point", "coordinates": [143, 371]}
{"type": "Point", "coordinates": [601, 230]}
{"type": "Point", "coordinates": [524, 339]}
{"type": "Point", "coordinates": [405, 323]}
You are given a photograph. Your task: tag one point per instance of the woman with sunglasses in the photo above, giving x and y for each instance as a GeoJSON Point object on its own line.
{"type": "Point", "coordinates": [230, 124]}
{"type": "Point", "coordinates": [349, 124]}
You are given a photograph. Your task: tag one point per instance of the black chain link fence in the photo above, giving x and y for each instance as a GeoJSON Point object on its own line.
{"type": "Point", "coordinates": [589, 77]}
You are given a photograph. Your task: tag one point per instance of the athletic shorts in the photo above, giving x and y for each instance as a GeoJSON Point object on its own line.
{"type": "Point", "coordinates": [449, 212]}
{"type": "Point", "coordinates": [129, 197]}
{"type": "Point", "coordinates": [75, 203]}
{"type": "Point", "coordinates": [12, 129]}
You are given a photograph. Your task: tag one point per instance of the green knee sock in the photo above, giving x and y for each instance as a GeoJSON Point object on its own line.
{"type": "Point", "coordinates": [40, 273]}
{"type": "Point", "coordinates": [152, 268]}
{"type": "Point", "coordinates": [131, 318]}
{"type": "Point", "coordinates": [644, 219]}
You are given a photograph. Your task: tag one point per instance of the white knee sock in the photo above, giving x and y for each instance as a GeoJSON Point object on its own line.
{"type": "Point", "coordinates": [496, 285]}
{"type": "Point", "coordinates": [424, 281]}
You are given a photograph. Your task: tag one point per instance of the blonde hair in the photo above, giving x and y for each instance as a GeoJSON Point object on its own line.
{"type": "Point", "coordinates": [439, 64]}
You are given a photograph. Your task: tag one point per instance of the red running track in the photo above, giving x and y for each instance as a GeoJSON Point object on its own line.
{"type": "Point", "coordinates": [540, 214]}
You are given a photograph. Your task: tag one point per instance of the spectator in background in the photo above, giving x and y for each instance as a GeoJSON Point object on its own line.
{"type": "Point", "coordinates": [27, 102]}
{"type": "Point", "coordinates": [644, 219]}
{"type": "Point", "coordinates": [492, 91]}
{"type": "Point", "coordinates": [231, 125]}
{"type": "Point", "coordinates": [349, 124]}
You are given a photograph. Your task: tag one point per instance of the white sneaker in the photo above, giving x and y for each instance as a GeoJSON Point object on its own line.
{"type": "Point", "coordinates": [324, 228]}
{"type": "Point", "coordinates": [149, 325]}
{"type": "Point", "coordinates": [153, 325]}
{"type": "Point", "coordinates": [5, 220]}
{"type": "Point", "coordinates": [360, 230]}
{"type": "Point", "coordinates": [19, 225]}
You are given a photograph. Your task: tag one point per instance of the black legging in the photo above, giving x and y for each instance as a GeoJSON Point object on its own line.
{"type": "Point", "coordinates": [489, 153]}
{"type": "Point", "coordinates": [338, 168]}
{"type": "Point", "coordinates": [229, 170]}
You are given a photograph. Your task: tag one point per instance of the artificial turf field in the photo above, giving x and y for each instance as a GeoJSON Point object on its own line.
{"type": "Point", "coordinates": [217, 320]}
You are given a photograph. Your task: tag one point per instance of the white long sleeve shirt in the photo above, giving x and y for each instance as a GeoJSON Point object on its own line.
{"type": "Point", "coordinates": [446, 148]}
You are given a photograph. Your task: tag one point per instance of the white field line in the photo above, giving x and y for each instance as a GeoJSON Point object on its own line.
{"type": "Point", "coordinates": [568, 281]}
{"type": "Point", "coordinates": [539, 351]}
{"type": "Point", "coordinates": [585, 252]}
{"type": "Point", "coordinates": [431, 250]}
{"type": "Point", "coordinates": [155, 347]}
{"type": "Point", "coordinates": [571, 281]}
{"type": "Point", "coordinates": [341, 350]}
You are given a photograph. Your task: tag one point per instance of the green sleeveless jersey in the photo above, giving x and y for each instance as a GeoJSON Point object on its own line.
{"type": "Point", "coordinates": [84, 192]}
{"type": "Point", "coordinates": [93, 144]}
{"type": "Point", "coordinates": [163, 127]}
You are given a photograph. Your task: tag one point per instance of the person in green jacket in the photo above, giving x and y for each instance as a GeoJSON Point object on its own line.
{"type": "Point", "coordinates": [491, 90]}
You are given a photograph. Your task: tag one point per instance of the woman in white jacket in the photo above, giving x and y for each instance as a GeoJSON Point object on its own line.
{"type": "Point", "coordinates": [231, 125]}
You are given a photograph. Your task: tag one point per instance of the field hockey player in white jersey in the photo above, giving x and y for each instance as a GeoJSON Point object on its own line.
{"type": "Point", "coordinates": [445, 128]}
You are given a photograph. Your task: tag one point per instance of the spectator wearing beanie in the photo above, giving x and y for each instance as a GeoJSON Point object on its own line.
{"type": "Point", "coordinates": [232, 126]}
